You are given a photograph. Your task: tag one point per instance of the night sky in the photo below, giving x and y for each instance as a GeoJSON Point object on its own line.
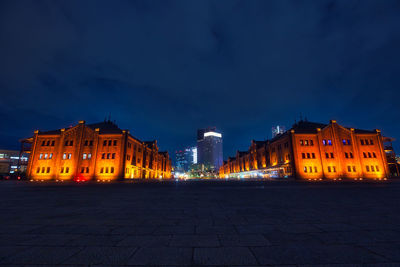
{"type": "Point", "coordinates": [165, 68]}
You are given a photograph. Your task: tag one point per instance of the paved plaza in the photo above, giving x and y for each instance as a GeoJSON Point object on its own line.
{"type": "Point", "coordinates": [200, 224]}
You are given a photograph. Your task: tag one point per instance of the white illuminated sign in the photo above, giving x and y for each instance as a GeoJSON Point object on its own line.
{"type": "Point", "coordinates": [213, 134]}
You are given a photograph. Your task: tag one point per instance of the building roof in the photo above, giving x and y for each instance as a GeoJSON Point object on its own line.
{"type": "Point", "coordinates": [106, 127]}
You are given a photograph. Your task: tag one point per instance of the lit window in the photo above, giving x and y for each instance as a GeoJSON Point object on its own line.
{"type": "Point", "coordinates": [344, 142]}
{"type": "Point", "coordinates": [51, 156]}
{"type": "Point", "coordinates": [324, 142]}
{"type": "Point", "coordinates": [329, 142]}
{"type": "Point", "coordinates": [306, 142]}
{"type": "Point", "coordinates": [65, 156]}
{"type": "Point", "coordinates": [40, 156]}
{"type": "Point", "coordinates": [89, 156]}
{"type": "Point", "coordinates": [45, 156]}
{"type": "Point", "coordinates": [84, 156]}
{"type": "Point", "coordinates": [69, 156]}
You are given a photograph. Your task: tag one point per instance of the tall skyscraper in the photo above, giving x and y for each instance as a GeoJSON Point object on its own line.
{"type": "Point", "coordinates": [277, 130]}
{"type": "Point", "coordinates": [209, 148]}
{"type": "Point", "coordinates": [185, 158]}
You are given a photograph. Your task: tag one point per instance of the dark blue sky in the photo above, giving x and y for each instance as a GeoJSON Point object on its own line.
{"type": "Point", "coordinates": [165, 68]}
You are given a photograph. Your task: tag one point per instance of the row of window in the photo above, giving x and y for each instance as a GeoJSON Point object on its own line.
{"type": "Point", "coordinates": [43, 170]}
{"type": "Point", "coordinates": [108, 155]}
{"type": "Point", "coordinates": [87, 156]}
{"type": "Point", "coordinates": [348, 155]}
{"type": "Point", "coordinates": [308, 155]}
{"type": "Point", "coordinates": [346, 142]}
{"type": "Point", "coordinates": [67, 156]}
{"type": "Point", "coordinates": [69, 143]}
{"type": "Point", "coordinates": [110, 142]}
{"type": "Point", "coordinates": [46, 156]}
{"type": "Point", "coordinates": [106, 169]}
{"type": "Point", "coordinates": [327, 142]}
{"type": "Point", "coordinates": [351, 168]}
{"type": "Point", "coordinates": [88, 143]}
{"type": "Point", "coordinates": [372, 168]}
{"type": "Point", "coordinates": [310, 169]}
{"type": "Point", "coordinates": [306, 142]}
{"type": "Point", "coordinates": [366, 142]}
{"type": "Point", "coordinates": [48, 142]}
{"type": "Point", "coordinates": [85, 170]}
{"type": "Point", "coordinates": [369, 155]}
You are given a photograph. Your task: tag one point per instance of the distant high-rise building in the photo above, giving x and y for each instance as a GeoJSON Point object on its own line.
{"type": "Point", "coordinates": [209, 148]}
{"type": "Point", "coordinates": [277, 130]}
{"type": "Point", "coordinates": [185, 158]}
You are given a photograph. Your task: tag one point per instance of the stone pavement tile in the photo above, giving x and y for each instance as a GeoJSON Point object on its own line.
{"type": "Point", "coordinates": [14, 239]}
{"type": "Point", "coordinates": [133, 230]}
{"type": "Point", "coordinates": [255, 229]}
{"type": "Point", "coordinates": [162, 256]}
{"type": "Point", "coordinates": [102, 255]}
{"type": "Point", "coordinates": [224, 256]}
{"type": "Point", "coordinates": [298, 228]}
{"type": "Point", "coordinates": [336, 227]}
{"type": "Point", "coordinates": [244, 240]}
{"type": "Point", "coordinates": [145, 241]}
{"type": "Point", "coordinates": [390, 251]}
{"type": "Point", "coordinates": [49, 240]}
{"type": "Point", "coordinates": [95, 240]}
{"type": "Point", "coordinates": [281, 238]}
{"type": "Point", "coordinates": [227, 229]}
{"type": "Point", "coordinates": [6, 251]}
{"type": "Point", "coordinates": [171, 230]}
{"type": "Point", "coordinates": [353, 237]}
{"type": "Point", "coordinates": [195, 241]}
{"type": "Point", "coordinates": [41, 255]}
{"type": "Point", "coordinates": [315, 254]}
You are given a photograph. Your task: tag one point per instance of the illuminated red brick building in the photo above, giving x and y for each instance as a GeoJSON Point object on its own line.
{"type": "Point", "coordinates": [99, 151]}
{"type": "Point", "coordinates": [313, 151]}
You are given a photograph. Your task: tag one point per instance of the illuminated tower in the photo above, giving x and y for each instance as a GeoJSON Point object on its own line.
{"type": "Point", "coordinates": [277, 130]}
{"type": "Point", "coordinates": [209, 148]}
